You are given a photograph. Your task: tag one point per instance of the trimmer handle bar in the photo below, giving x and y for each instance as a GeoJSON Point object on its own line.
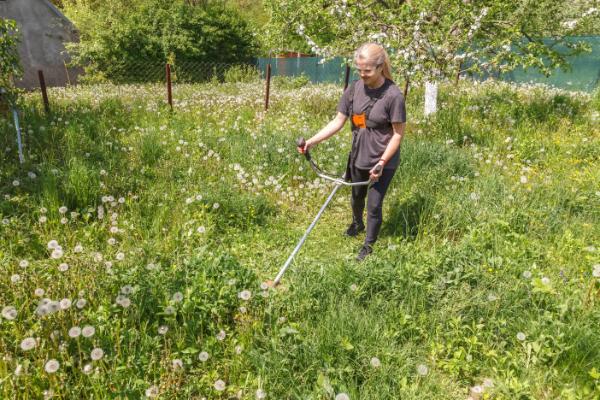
{"type": "Point", "coordinates": [301, 143]}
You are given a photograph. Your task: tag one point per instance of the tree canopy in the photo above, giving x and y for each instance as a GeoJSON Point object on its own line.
{"type": "Point", "coordinates": [432, 39]}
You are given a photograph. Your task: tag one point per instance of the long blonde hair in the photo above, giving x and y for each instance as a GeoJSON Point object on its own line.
{"type": "Point", "coordinates": [375, 54]}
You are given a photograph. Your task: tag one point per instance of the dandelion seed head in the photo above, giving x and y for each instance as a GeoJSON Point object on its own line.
{"type": "Point", "coordinates": [62, 209]}
{"type": "Point", "coordinates": [28, 344]}
{"type": "Point", "coordinates": [163, 329]}
{"type": "Point", "coordinates": [169, 310]}
{"type": "Point", "coordinates": [51, 366]}
{"type": "Point", "coordinates": [15, 278]}
{"type": "Point", "coordinates": [127, 289]}
{"type": "Point", "coordinates": [97, 354]}
{"type": "Point", "coordinates": [261, 394]}
{"type": "Point", "coordinates": [88, 331]}
{"type": "Point", "coordinates": [56, 254]}
{"type": "Point", "coordinates": [65, 304]}
{"type": "Point", "coordinates": [177, 297]}
{"type": "Point", "coordinates": [342, 396]}
{"type": "Point", "coordinates": [152, 392]}
{"type": "Point", "coordinates": [39, 292]}
{"type": "Point", "coordinates": [81, 303]}
{"type": "Point", "coordinates": [375, 362]}
{"type": "Point", "coordinates": [527, 274]}
{"type": "Point", "coordinates": [120, 256]}
{"type": "Point", "coordinates": [545, 280]}
{"type": "Point", "coordinates": [219, 385]}
{"type": "Point", "coordinates": [221, 335]}
{"type": "Point", "coordinates": [52, 244]}
{"type": "Point", "coordinates": [203, 356]}
{"type": "Point", "coordinates": [23, 263]}
{"type": "Point", "coordinates": [63, 267]}
{"type": "Point", "coordinates": [9, 313]}
{"type": "Point", "coordinates": [87, 369]}
{"type": "Point", "coordinates": [74, 332]}
{"type": "Point", "coordinates": [521, 336]}
{"type": "Point", "coordinates": [245, 295]}
{"type": "Point", "coordinates": [243, 310]}
{"type": "Point", "coordinates": [201, 229]}
{"type": "Point", "coordinates": [177, 364]}
{"type": "Point", "coordinates": [422, 369]}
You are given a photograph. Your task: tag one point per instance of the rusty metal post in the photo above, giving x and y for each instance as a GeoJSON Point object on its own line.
{"type": "Point", "coordinates": [347, 77]}
{"type": "Point", "coordinates": [44, 91]}
{"type": "Point", "coordinates": [268, 89]}
{"type": "Point", "coordinates": [169, 88]}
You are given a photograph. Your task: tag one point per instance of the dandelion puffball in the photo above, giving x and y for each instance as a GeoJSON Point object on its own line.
{"type": "Point", "coordinates": [203, 356]}
{"type": "Point", "coordinates": [219, 385]}
{"type": "Point", "coordinates": [28, 344]}
{"type": "Point", "coordinates": [342, 396]}
{"type": "Point", "coordinates": [51, 366]}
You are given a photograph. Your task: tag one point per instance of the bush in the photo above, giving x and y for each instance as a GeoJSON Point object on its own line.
{"type": "Point", "coordinates": [242, 74]}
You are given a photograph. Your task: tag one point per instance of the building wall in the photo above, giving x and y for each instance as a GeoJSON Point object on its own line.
{"type": "Point", "coordinates": [44, 30]}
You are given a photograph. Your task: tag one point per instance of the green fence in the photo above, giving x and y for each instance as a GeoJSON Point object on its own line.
{"type": "Point", "coordinates": [583, 75]}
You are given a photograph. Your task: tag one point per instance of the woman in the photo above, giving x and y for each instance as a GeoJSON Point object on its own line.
{"type": "Point", "coordinates": [375, 106]}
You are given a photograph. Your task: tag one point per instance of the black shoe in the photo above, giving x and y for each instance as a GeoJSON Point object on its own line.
{"type": "Point", "coordinates": [364, 252]}
{"type": "Point", "coordinates": [354, 229]}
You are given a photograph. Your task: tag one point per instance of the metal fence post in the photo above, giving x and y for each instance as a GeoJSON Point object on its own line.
{"type": "Point", "coordinates": [268, 88]}
{"type": "Point", "coordinates": [169, 89]}
{"type": "Point", "coordinates": [44, 91]}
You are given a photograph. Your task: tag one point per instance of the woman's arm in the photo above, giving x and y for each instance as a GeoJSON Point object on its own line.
{"type": "Point", "coordinates": [333, 127]}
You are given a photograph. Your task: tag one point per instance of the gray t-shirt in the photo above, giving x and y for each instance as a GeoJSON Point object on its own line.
{"type": "Point", "coordinates": [370, 143]}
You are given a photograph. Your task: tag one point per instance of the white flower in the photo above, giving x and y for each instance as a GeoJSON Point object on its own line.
{"type": "Point", "coordinates": [97, 354]}
{"type": "Point", "coordinates": [78, 248]}
{"type": "Point", "coordinates": [169, 310]}
{"type": "Point", "coordinates": [342, 396]}
{"type": "Point", "coordinates": [39, 292]}
{"type": "Point", "coordinates": [177, 297]}
{"type": "Point", "coordinates": [127, 289]}
{"type": "Point", "coordinates": [219, 385]}
{"type": "Point", "coordinates": [243, 310]}
{"type": "Point", "coordinates": [477, 391]}
{"type": "Point", "coordinates": [88, 331]}
{"type": "Point", "coordinates": [15, 278]}
{"type": "Point", "coordinates": [545, 280]}
{"type": "Point", "coordinates": [261, 394]}
{"type": "Point", "coordinates": [163, 329]}
{"type": "Point", "coordinates": [65, 304]}
{"type": "Point", "coordinates": [177, 364]}
{"type": "Point", "coordinates": [62, 209]}
{"type": "Point", "coordinates": [81, 303]}
{"type": "Point", "coordinates": [56, 254]}
{"type": "Point", "coordinates": [422, 369]}
{"type": "Point", "coordinates": [43, 219]}
{"type": "Point", "coordinates": [245, 295]}
{"type": "Point", "coordinates": [216, 205]}
{"type": "Point", "coordinates": [52, 244]}
{"type": "Point", "coordinates": [18, 370]}
{"type": "Point", "coordinates": [28, 344]}
{"type": "Point", "coordinates": [221, 335]}
{"type": "Point", "coordinates": [23, 263]}
{"type": "Point", "coordinates": [63, 267]}
{"type": "Point", "coordinates": [375, 362]}
{"type": "Point", "coordinates": [523, 179]}
{"type": "Point", "coordinates": [527, 274]}
{"type": "Point", "coordinates": [521, 336]}
{"type": "Point", "coordinates": [87, 369]}
{"type": "Point", "coordinates": [16, 183]}
{"type": "Point", "coordinates": [9, 313]}
{"type": "Point", "coordinates": [264, 285]}
{"type": "Point", "coordinates": [201, 229]}
{"type": "Point", "coordinates": [120, 256]}
{"type": "Point", "coordinates": [152, 392]}
{"type": "Point", "coordinates": [51, 366]}
{"type": "Point", "coordinates": [74, 332]}
{"type": "Point", "coordinates": [203, 356]}
{"type": "Point", "coordinates": [238, 349]}
{"type": "Point", "coordinates": [112, 241]}
{"type": "Point", "coordinates": [596, 271]}
{"type": "Point", "coordinates": [64, 220]}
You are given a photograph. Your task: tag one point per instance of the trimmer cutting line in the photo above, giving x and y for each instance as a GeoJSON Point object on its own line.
{"type": "Point", "coordinates": [339, 182]}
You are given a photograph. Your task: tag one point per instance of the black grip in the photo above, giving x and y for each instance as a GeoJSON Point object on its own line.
{"type": "Point", "coordinates": [301, 143]}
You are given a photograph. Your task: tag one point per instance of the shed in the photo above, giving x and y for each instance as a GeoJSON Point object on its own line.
{"type": "Point", "coordinates": [44, 32]}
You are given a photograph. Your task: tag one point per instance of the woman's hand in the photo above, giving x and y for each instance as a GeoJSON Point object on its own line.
{"type": "Point", "coordinates": [307, 146]}
{"type": "Point", "coordinates": [376, 171]}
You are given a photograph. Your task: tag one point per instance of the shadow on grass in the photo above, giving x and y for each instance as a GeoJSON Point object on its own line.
{"type": "Point", "coordinates": [405, 217]}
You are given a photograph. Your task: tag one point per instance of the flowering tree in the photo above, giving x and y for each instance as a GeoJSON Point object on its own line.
{"type": "Point", "coordinates": [436, 39]}
{"type": "Point", "coordinates": [10, 67]}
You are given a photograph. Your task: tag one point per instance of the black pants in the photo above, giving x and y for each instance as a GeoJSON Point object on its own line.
{"type": "Point", "coordinates": [374, 194]}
